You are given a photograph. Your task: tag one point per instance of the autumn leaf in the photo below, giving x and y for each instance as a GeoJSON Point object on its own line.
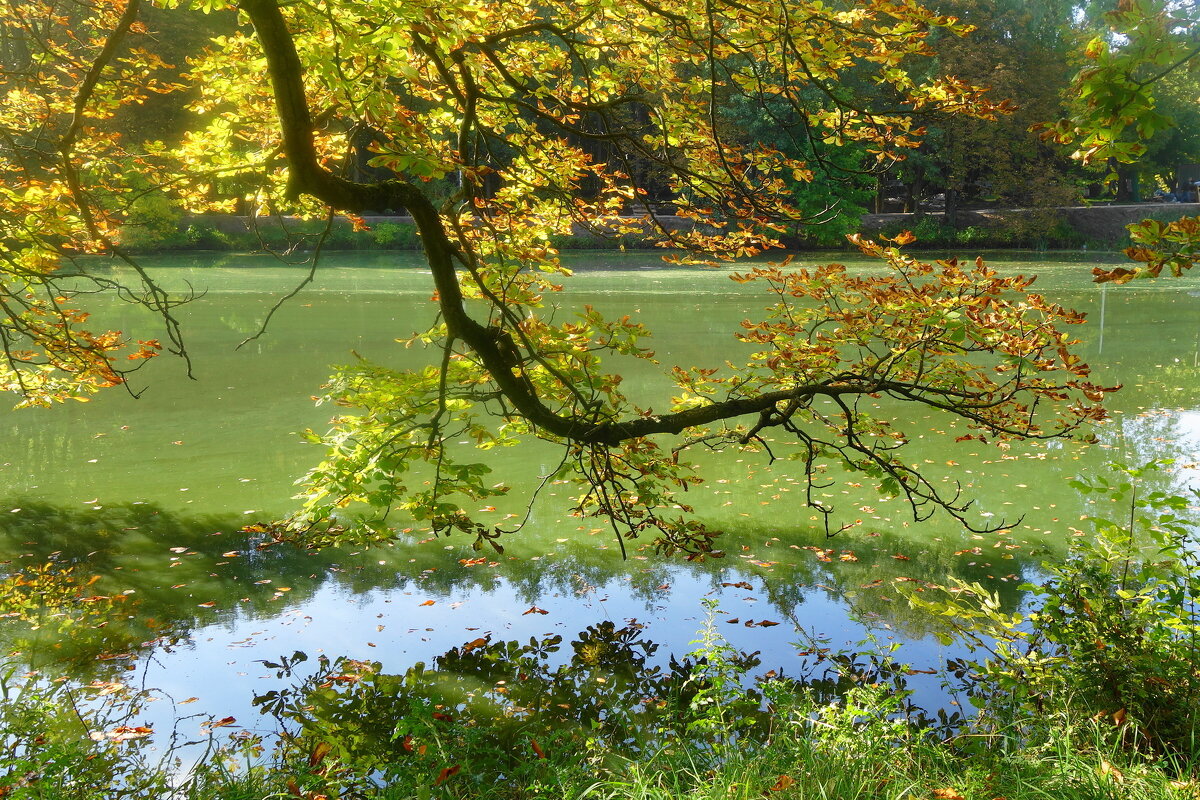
{"type": "Point", "coordinates": [784, 782]}
{"type": "Point", "coordinates": [446, 774]}
{"type": "Point", "coordinates": [220, 723]}
{"type": "Point", "coordinates": [537, 748]}
{"type": "Point", "coordinates": [318, 753]}
{"type": "Point", "coordinates": [427, 603]}
{"type": "Point", "coordinates": [947, 794]}
{"type": "Point", "coordinates": [122, 733]}
{"type": "Point", "coordinates": [534, 610]}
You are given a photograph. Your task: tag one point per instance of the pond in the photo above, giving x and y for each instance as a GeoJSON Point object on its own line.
{"type": "Point", "coordinates": [151, 494]}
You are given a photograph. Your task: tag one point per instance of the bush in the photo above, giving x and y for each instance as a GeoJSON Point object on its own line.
{"type": "Point", "coordinates": [1114, 632]}
{"type": "Point", "coordinates": [153, 223]}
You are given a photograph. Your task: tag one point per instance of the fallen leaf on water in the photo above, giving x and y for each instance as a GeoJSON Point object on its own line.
{"type": "Point", "coordinates": [534, 610]}
{"type": "Point", "coordinates": [217, 723]}
{"type": "Point", "coordinates": [178, 549]}
{"type": "Point", "coordinates": [733, 621]}
{"type": "Point", "coordinates": [209, 604]}
{"type": "Point", "coordinates": [428, 602]}
{"type": "Point", "coordinates": [122, 733]}
{"type": "Point", "coordinates": [766, 623]}
{"type": "Point", "coordinates": [230, 554]}
{"type": "Point", "coordinates": [106, 687]}
{"type": "Point", "coordinates": [189, 700]}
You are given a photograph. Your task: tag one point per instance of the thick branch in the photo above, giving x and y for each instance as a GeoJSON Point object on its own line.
{"type": "Point", "coordinates": [307, 176]}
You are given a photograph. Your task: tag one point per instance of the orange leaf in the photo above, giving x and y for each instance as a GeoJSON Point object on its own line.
{"type": "Point", "coordinates": [446, 774]}
{"type": "Point", "coordinates": [947, 794]}
{"type": "Point", "coordinates": [429, 602]}
{"type": "Point", "coordinates": [535, 610]}
{"type": "Point", "coordinates": [537, 748]}
{"type": "Point", "coordinates": [784, 782]}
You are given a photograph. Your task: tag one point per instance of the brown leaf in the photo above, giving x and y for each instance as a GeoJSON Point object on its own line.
{"type": "Point", "coordinates": [446, 774]}
{"type": "Point", "coordinates": [318, 754]}
{"type": "Point", "coordinates": [766, 623]}
{"type": "Point", "coordinates": [537, 748]}
{"type": "Point", "coordinates": [947, 794]}
{"type": "Point", "coordinates": [1106, 768]}
{"type": "Point", "coordinates": [534, 610]}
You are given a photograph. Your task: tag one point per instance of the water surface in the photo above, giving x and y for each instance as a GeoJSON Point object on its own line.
{"type": "Point", "coordinates": [151, 493]}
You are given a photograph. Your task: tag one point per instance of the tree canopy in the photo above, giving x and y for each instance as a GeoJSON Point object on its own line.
{"type": "Point", "coordinates": [495, 125]}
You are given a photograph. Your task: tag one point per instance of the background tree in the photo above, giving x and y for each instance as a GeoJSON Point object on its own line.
{"type": "Point", "coordinates": [1151, 45]}
{"type": "Point", "coordinates": [509, 104]}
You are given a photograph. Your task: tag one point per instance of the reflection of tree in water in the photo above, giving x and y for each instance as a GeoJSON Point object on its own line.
{"type": "Point", "coordinates": [174, 572]}
{"type": "Point", "coordinates": [491, 711]}
{"type": "Point", "coordinates": [180, 572]}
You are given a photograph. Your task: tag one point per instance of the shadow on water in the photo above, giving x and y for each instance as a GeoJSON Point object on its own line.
{"type": "Point", "coordinates": [159, 576]}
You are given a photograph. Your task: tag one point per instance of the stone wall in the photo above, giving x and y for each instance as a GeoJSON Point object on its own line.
{"type": "Point", "coordinates": [1099, 224]}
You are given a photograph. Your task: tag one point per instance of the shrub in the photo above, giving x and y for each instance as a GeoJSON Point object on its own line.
{"type": "Point", "coordinates": [1114, 632]}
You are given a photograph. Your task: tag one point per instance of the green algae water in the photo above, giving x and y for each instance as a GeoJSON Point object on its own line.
{"type": "Point", "coordinates": [151, 493]}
